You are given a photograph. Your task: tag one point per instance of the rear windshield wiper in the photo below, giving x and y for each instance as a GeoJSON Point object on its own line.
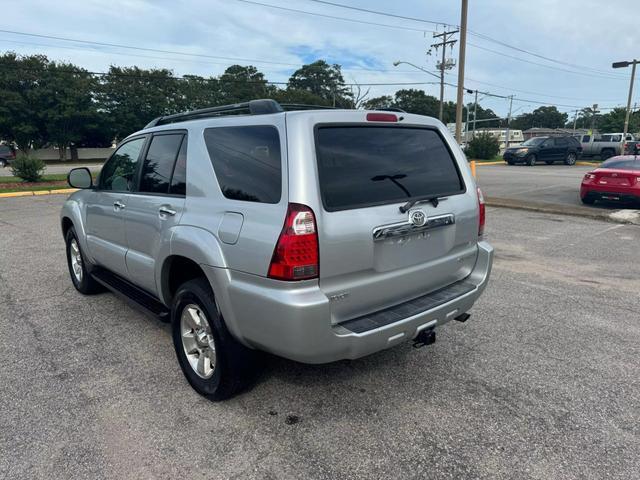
{"type": "Point", "coordinates": [435, 200]}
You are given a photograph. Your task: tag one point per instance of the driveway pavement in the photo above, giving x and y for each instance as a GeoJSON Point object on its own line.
{"type": "Point", "coordinates": [541, 383]}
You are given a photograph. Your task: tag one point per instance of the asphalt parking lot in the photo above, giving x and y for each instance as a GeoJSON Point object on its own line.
{"type": "Point", "coordinates": [558, 184]}
{"type": "Point", "coordinates": [542, 382]}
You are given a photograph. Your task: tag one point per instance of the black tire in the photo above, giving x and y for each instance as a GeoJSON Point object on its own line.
{"type": "Point", "coordinates": [570, 159]}
{"type": "Point", "coordinates": [531, 160]}
{"type": "Point", "coordinates": [234, 363]}
{"type": "Point", "coordinates": [83, 281]}
{"type": "Point", "coordinates": [606, 154]}
{"type": "Point", "coordinates": [588, 200]}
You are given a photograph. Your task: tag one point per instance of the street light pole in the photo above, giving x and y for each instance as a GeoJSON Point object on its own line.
{"type": "Point", "coordinates": [475, 110]}
{"type": "Point", "coordinates": [463, 47]}
{"type": "Point", "coordinates": [508, 122]}
{"type": "Point", "coordinates": [633, 64]}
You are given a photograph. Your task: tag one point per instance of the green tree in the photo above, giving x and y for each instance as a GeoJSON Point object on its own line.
{"type": "Point", "coordinates": [133, 97]}
{"type": "Point", "coordinates": [196, 92]}
{"type": "Point", "coordinates": [385, 101]}
{"type": "Point", "coordinates": [241, 84]}
{"type": "Point", "coordinates": [302, 97]}
{"type": "Point", "coordinates": [541, 117]}
{"type": "Point", "coordinates": [613, 121]}
{"type": "Point", "coordinates": [68, 106]}
{"type": "Point", "coordinates": [21, 100]}
{"type": "Point", "coordinates": [324, 81]}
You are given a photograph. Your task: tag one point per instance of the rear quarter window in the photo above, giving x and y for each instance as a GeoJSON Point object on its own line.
{"type": "Point", "coordinates": [362, 166]}
{"type": "Point", "coordinates": [247, 162]}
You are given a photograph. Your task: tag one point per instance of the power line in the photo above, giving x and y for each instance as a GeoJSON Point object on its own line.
{"type": "Point", "coordinates": [333, 17]}
{"type": "Point", "coordinates": [471, 32]}
{"type": "Point", "coordinates": [375, 12]}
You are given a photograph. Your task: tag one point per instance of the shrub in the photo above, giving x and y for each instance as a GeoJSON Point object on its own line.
{"type": "Point", "coordinates": [28, 168]}
{"type": "Point", "coordinates": [483, 147]}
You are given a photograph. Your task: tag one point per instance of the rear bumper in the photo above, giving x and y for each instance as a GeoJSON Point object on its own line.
{"type": "Point", "coordinates": [602, 192]}
{"type": "Point", "coordinates": [293, 320]}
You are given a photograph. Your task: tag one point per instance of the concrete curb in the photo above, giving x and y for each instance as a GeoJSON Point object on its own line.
{"type": "Point", "coordinates": [617, 216]}
{"type": "Point", "coordinates": [581, 164]}
{"type": "Point", "coordinates": [32, 193]}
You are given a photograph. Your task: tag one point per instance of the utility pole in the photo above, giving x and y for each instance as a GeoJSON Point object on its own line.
{"type": "Point", "coordinates": [633, 64]}
{"type": "Point", "coordinates": [463, 48]}
{"type": "Point", "coordinates": [575, 120]}
{"type": "Point", "coordinates": [594, 112]}
{"type": "Point", "coordinates": [475, 110]}
{"type": "Point", "coordinates": [508, 121]}
{"type": "Point", "coordinates": [444, 63]}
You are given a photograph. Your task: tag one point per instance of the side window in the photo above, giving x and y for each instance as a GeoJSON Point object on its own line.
{"type": "Point", "coordinates": [158, 164]}
{"type": "Point", "coordinates": [548, 142]}
{"type": "Point", "coordinates": [247, 162]}
{"type": "Point", "coordinates": [119, 172]}
{"type": "Point", "coordinates": [561, 142]}
{"type": "Point", "coordinates": [179, 178]}
{"type": "Point", "coordinates": [586, 138]}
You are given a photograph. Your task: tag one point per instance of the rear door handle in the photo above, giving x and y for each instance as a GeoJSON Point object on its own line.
{"type": "Point", "coordinates": [166, 211]}
{"type": "Point", "coordinates": [118, 205]}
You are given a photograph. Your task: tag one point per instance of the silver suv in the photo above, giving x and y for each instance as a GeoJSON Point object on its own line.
{"type": "Point", "coordinates": [313, 234]}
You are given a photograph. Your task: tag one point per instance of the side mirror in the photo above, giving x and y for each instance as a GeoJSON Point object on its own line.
{"type": "Point", "coordinates": [80, 178]}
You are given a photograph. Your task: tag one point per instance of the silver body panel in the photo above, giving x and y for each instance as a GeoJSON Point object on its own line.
{"type": "Point", "coordinates": [370, 258]}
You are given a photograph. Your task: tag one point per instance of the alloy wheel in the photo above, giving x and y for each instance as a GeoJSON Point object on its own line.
{"type": "Point", "coordinates": [198, 341]}
{"type": "Point", "coordinates": [76, 260]}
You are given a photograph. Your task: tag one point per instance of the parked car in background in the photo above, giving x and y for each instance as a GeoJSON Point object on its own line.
{"type": "Point", "coordinates": [7, 155]}
{"type": "Point", "coordinates": [545, 149]}
{"type": "Point", "coordinates": [604, 146]}
{"type": "Point", "coordinates": [618, 179]}
{"type": "Point", "coordinates": [316, 235]}
{"type": "Point", "coordinates": [632, 147]}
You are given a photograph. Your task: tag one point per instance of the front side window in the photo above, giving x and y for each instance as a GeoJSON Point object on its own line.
{"type": "Point", "coordinates": [561, 142]}
{"type": "Point", "coordinates": [247, 162]}
{"type": "Point", "coordinates": [118, 173]}
{"type": "Point", "coordinates": [363, 166]}
{"type": "Point", "coordinates": [159, 162]}
{"type": "Point", "coordinates": [586, 138]}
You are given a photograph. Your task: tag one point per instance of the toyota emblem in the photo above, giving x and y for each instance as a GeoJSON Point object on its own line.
{"type": "Point", "coordinates": [417, 218]}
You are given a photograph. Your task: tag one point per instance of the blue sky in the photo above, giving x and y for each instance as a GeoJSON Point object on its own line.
{"type": "Point", "coordinates": [582, 36]}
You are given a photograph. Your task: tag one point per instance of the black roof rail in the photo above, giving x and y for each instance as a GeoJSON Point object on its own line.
{"type": "Point", "coordinates": [253, 107]}
{"type": "Point", "coordinates": [302, 106]}
{"type": "Point", "coordinates": [390, 109]}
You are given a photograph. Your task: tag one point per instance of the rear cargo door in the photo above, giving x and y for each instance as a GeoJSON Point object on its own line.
{"type": "Point", "coordinates": [372, 254]}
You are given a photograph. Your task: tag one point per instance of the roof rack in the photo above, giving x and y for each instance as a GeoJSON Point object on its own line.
{"type": "Point", "coordinates": [253, 107]}
{"type": "Point", "coordinates": [302, 106]}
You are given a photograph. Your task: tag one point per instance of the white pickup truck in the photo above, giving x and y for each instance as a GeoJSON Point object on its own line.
{"type": "Point", "coordinates": [605, 145]}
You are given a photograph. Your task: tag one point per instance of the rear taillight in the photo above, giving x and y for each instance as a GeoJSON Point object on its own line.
{"type": "Point", "coordinates": [481, 213]}
{"type": "Point", "coordinates": [296, 254]}
{"type": "Point", "coordinates": [589, 176]}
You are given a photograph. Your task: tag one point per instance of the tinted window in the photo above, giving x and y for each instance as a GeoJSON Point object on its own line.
{"type": "Point", "coordinates": [5, 150]}
{"type": "Point", "coordinates": [615, 138]}
{"type": "Point", "coordinates": [362, 166]}
{"type": "Point", "coordinates": [247, 162]}
{"type": "Point", "coordinates": [119, 171]}
{"type": "Point", "coordinates": [631, 164]}
{"type": "Point", "coordinates": [586, 138]}
{"type": "Point", "coordinates": [533, 141]}
{"type": "Point", "coordinates": [158, 164]}
{"type": "Point", "coordinates": [561, 142]}
{"type": "Point", "coordinates": [179, 178]}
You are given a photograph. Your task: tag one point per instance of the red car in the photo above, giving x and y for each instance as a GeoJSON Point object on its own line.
{"type": "Point", "coordinates": [617, 179]}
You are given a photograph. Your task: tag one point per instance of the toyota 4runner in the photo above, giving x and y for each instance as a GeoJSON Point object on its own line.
{"type": "Point", "coordinates": [313, 234]}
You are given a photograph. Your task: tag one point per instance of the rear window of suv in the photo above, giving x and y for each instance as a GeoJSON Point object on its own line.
{"type": "Point", "coordinates": [362, 166]}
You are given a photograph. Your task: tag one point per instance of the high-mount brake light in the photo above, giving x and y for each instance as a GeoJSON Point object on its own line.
{"type": "Point", "coordinates": [381, 117]}
{"type": "Point", "coordinates": [296, 254]}
{"type": "Point", "coordinates": [481, 212]}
